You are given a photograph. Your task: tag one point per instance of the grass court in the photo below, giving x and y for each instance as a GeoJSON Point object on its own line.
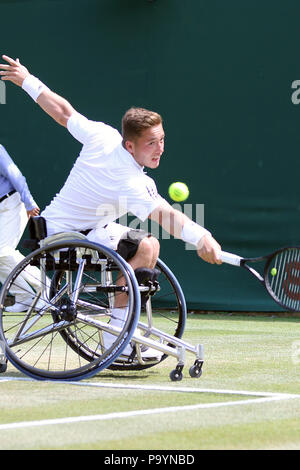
{"type": "Point", "coordinates": [247, 398]}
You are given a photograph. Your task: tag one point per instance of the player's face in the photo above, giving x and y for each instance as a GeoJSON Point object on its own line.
{"type": "Point", "coordinates": [148, 147]}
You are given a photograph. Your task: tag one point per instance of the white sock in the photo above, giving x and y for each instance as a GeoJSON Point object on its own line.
{"type": "Point", "coordinates": [118, 317]}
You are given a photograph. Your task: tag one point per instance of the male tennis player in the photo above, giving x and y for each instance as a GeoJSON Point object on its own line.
{"type": "Point", "coordinates": [108, 181]}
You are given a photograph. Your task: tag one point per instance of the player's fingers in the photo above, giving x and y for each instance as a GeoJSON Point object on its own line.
{"type": "Point", "coordinates": [5, 66]}
{"type": "Point", "coordinates": [11, 77]}
{"type": "Point", "coordinates": [7, 74]}
{"type": "Point", "coordinates": [214, 257]}
{"type": "Point", "coordinates": [208, 257]}
{"type": "Point", "coordinates": [217, 254]}
{"type": "Point", "coordinates": [216, 260]}
{"type": "Point", "coordinates": [9, 60]}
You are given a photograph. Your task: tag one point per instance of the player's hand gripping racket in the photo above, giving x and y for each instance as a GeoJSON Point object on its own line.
{"type": "Point", "coordinates": [281, 274]}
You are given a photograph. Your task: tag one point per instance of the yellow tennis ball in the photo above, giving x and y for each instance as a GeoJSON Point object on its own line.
{"type": "Point", "coordinates": [273, 272]}
{"type": "Point", "coordinates": [178, 191]}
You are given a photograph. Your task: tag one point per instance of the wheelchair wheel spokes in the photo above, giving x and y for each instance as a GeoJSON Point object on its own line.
{"type": "Point", "coordinates": [60, 336]}
{"type": "Point", "coordinates": [166, 308]}
{"type": "Point", "coordinates": [165, 311]}
{"type": "Point", "coordinates": [168, 304]}
{"type": "Point", "coordinates": [94, 299]}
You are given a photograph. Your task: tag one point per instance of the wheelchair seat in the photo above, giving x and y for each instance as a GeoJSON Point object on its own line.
{"type": "Point", "coordinates": [37, 231]}
{"type": "Point", "coordinates": [37, 227]}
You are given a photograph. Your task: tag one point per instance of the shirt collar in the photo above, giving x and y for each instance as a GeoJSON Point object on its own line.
{"type": "Point", "coordinates": [135, 163]}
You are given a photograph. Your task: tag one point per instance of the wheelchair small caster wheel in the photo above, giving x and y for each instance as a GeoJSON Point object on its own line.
{"type": "Point", "coordinates": [195, 371]}
{"type": "Point", "coordinates": [176, 375]}
{"type": "Point", "coordinates": [3, 367]}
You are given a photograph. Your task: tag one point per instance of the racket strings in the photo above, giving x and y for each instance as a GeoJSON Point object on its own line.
{"type": "Point", "coordinates": [284, 278]}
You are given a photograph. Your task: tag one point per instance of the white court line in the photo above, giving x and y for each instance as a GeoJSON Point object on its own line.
{"type": "Point", "coordinates": [264, 397]}
{"type": "Point", "coordinates": [129, 414]}
{"type": "Point", "coordinates": [159, 388]}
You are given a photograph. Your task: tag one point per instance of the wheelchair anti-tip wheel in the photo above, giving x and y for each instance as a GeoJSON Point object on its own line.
{"type": "Point", "coordinates": [64, 331]}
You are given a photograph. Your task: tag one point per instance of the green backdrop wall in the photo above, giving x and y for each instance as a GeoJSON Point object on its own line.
{"type": "Point", "coordinates": [221, 74]}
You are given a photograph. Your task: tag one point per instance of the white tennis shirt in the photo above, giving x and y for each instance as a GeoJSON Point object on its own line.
{"type": "Point", "coordinates": [104, 183]}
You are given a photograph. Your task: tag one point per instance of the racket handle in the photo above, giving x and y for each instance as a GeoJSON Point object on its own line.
{"type": "Point", "coordinates": [230, 258]}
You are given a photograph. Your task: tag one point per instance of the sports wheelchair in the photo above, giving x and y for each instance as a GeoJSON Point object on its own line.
{"type": "Point", "coordinates": [62, 332]}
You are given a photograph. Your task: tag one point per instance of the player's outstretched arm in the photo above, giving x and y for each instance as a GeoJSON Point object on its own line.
{"type": "Point", "coordinates": [181, 226]}
{"type": "Point", "coordinates": [54, 105]}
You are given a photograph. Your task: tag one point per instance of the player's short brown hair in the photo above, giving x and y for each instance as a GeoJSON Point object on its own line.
{"type": "Point", "coordinates": [136, 120]}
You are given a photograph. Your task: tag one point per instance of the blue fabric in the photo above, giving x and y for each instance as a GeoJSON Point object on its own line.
{"type": "Point", "coordinates": [11, 178]}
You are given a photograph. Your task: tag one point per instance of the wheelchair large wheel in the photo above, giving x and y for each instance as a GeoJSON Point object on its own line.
{"type": "Point", "coordinates": [60, 333]}
{"type": "Point", "coordinates": [165, 310]}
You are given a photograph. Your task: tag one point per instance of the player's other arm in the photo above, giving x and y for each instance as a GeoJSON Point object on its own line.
{"type": "Point", "coordinates": [180, 226]}
{"type": "Point", "coordinates": [54, 105]}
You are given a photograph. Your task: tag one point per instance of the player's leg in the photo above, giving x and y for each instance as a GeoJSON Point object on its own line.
{"type": "Point", "coordinates": [141, 251]}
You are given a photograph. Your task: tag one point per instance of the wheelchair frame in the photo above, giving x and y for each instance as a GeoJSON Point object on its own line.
{"type": "Point", "coordinates": [67, 312]}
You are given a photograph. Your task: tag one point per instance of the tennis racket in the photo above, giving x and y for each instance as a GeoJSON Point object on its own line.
{"type": "Point", "coordinates": [281, 274]}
